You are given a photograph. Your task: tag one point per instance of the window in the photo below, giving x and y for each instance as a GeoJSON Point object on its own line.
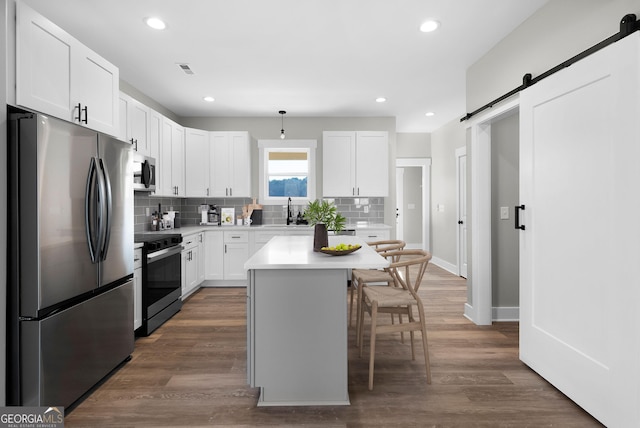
{"type": "Point", "coordinates": [287, 170]}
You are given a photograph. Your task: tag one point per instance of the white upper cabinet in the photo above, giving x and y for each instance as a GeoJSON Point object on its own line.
{"type": "Point", "coordinates": [134, 124]}
{"type": "Point", "coordinates": [58, 75]}
{"type": "Point", "coordinates": [355, 163]}
{"type": "Point", "coordinates": [170, 163]}
{"type": "Point", "coordinates": [196, 162]}
{"type": "Point", "coordinates": [230, 164]}
{"type": "Point", "coordinates": [155, 134]}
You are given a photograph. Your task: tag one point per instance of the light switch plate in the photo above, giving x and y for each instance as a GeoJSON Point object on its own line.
{"type": "Point", "coordinates": [504, 213]}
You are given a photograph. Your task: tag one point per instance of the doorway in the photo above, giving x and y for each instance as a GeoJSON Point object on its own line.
{"type": "Point", "coordinates": [479, 308]}
{"type": "Point", "coordinates": [413, 221]}
{"type": "Point", "coordinates": [461, 207]}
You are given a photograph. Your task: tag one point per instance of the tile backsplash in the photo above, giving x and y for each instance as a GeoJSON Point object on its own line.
{"type": "Point", "coordinates": [352, 208]}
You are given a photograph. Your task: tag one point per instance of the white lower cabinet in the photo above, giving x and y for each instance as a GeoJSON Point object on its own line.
{"type": "Point", "coordinates": [214, 250]}
{"type": "Point", "coordinates": [224, 252]}
{"type": "Point", "coordinates": [236, 253]}
{"type": "Point", "coordinates": [202, 256]}
{"type": "Point", "coordinates": [191, 263]}
{"type": "Point", "coordinates": [137, 288]}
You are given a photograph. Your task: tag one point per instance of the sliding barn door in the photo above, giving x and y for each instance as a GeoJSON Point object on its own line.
{"type": "Point", "coordinates": [580, 248]}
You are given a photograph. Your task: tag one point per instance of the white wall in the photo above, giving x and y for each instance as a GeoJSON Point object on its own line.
{"type": "Point", "coordinates": [413, 145]}
{"type": "Point", "coordinates": [444, 224]}
{"type": "Point", "coordinates": [556, 32]}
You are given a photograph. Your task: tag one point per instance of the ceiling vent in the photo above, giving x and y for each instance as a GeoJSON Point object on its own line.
{"type": "Point", "coordinates": [186, 68]}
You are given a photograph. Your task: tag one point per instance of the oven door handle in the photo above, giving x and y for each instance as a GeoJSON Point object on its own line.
{"type": "Point", "coordinates": [162, 254]}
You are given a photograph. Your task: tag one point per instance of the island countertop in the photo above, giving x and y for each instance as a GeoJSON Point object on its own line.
{"type": "Point", "coordinates": [296, 252]}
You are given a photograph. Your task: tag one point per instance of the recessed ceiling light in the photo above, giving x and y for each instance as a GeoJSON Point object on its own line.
{"type": "Point", "coordinates": [381, 99]}
{"type": "Point", "coordinates": [209, 99]}
{"type": "Point", "coordinates": [156, 23]}
{"type": "Point", "coordinates": [429, 26]}
{"type": "Point", "coordinates": [429, 114]}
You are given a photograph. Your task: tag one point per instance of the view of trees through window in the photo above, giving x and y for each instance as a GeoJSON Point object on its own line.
{"type": "Point", "coordinates": [288, 187]}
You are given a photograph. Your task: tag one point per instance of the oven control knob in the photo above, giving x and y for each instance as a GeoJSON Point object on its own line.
{"type": "Point", "coordinates": [176, 240]}
{"type": "Point", "coordinates": [152, 246]}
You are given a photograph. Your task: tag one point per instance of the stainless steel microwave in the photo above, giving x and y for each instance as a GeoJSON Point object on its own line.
{"type": "Point", "coordinates": [144, 173]}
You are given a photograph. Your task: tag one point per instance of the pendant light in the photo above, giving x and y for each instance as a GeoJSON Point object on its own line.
{"type": "Point", "coordinates": [282, 113]}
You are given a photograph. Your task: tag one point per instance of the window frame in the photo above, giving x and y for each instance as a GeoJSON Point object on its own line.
{"type": "Point", "coordinates": [263, 182]}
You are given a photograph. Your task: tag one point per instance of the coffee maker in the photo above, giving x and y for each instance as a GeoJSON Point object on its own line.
{"type": "Point", "coordinates": [213, 216]}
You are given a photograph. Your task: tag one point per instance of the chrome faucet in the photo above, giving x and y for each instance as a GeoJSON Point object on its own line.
{"type": "Point", "coordinates": [289, 212]}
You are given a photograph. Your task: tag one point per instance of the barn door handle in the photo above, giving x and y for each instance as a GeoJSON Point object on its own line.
{"type": "Point", "coordinates": [518, 225]}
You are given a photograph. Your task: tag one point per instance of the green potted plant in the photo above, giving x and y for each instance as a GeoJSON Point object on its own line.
{"type": "Point", "coordinates": [323, 216]}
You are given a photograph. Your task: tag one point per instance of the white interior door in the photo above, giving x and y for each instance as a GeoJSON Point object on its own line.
{"type": "Point", "coordinates": [579, 250]}
{"type": "Point", "coordinates": [400, 203]}
{"type": "Point", "coordinates": [461, 170]}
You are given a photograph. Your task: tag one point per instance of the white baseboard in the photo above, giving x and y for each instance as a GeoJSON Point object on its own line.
{"type": "Point", "coordinates": [498, 314]}
{"type": "Point", "coordinates": [445, 265]}
{"type": "Point", "coordinates": [468, 312]}
{"type": "Point", "coordinates": [505, 313]}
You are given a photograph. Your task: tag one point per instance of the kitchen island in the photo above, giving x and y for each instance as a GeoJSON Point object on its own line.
{"type": "Point", "coordinates": [297, 320]}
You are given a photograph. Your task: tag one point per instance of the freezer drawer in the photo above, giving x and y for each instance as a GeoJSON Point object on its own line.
{"type": "Point", "coordinates": [66, 354]}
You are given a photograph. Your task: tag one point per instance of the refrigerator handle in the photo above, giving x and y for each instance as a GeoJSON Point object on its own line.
{"type": "Point", "coordinates": [108, 210]}
{"type": "Point", "coordinates": [89, 202]}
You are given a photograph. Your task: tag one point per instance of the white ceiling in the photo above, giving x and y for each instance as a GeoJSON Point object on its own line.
{"type": "Point", "coordinates": [308, 57]}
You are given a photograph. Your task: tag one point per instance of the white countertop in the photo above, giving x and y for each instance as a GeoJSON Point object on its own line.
{"type": "Point", "coordinates": [296, 252]}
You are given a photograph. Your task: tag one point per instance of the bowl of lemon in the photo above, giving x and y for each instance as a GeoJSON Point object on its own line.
{"type": "Point", "coordinates": [340, 249]}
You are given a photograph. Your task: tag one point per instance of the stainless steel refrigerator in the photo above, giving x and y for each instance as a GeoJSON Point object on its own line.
{"type": "Point", "coordinates": [70, 287]}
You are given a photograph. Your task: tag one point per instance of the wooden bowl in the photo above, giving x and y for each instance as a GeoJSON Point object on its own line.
{"type": "Point", "coordinates": [339, 252]}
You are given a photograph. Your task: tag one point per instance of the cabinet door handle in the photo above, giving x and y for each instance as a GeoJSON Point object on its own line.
{"type": "Point", "coordinates": [517, 217]}
{"type": "Point", "coordinates": [86, 114]}
{"type": "Point", "coordinates": [230, 191]}
{"type": "Point", "coordinates": [207, 191]}
{"type": "Point", "coordinates": [225, 248]}
{"type": "Point", "coordinates": [79, 118]}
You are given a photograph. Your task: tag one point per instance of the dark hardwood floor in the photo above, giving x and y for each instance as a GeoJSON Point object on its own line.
{"type": "Point", "coordinates": [192, 372]}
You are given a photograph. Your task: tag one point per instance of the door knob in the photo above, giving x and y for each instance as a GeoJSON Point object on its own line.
{"type": "Point", "coordinates": [460, 222]}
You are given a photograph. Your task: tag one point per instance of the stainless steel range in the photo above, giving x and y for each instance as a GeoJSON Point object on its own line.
{"type": "Point", "coordinates": [161, 279]}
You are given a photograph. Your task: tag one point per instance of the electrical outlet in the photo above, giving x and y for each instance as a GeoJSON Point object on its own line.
{"type": "Point", "coordinates": [147, 211]}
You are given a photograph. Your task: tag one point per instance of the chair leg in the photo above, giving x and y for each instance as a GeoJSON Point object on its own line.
{"type": "Point", "coordinates": [351, 302]}
{"type": "Point", "coordinates": [425, 346]}
{"type": "Point", "coordinates": [360, 313]}
{"type": "Point", "coordinates": [372, 350]}
{"type": "Point", "coordinates": [360, 327]}
{"type": "Point", "coordinates": [411, 334]}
